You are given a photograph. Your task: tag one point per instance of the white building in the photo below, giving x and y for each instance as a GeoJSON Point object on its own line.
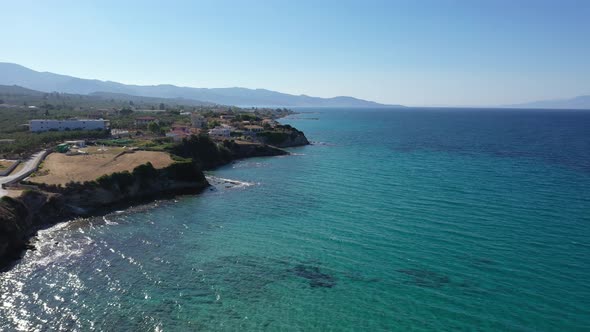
{"type": "Point", "coordinates": [254, 129]}
{"type": "Point", "coordinates": [223, 131]}
{"type": "Point", "coordinates": [78, 143]}
{"type": "Point", "coordinates": [118, 133]}
{"type": "Point", "coordinates": [60, 125]}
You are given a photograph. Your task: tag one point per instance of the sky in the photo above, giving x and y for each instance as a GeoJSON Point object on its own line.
{"type": "Point", "coordinates": [415, 53]}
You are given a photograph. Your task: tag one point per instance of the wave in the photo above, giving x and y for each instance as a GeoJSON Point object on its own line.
{"type": "Point", "coordinates": [321, 143]}
{"type": "Point", "coordinates": [228, 183]}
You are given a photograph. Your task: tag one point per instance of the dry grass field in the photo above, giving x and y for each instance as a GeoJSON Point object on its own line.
{"type": "Point", "coordinates": [59, 168]}
{"type": "Point", "coordinates": [4, 164]}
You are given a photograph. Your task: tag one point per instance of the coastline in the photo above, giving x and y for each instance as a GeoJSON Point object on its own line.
{"type": "Point", "coordinates": [22, 217]}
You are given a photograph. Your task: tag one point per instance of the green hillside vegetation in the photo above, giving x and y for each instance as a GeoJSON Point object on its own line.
{"type": "Point", "coordinates": [20, 105]}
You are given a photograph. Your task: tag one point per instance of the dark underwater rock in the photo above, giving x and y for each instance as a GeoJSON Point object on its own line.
{"type": "Point", "coordinates": [315, 277]}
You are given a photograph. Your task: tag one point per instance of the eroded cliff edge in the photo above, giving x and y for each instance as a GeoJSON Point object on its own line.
{"type": "Point", "coordinates": [21, 217]}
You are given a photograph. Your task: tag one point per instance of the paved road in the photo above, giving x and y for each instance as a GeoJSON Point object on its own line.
{"type": "Point", "coordinates": [30, 166]}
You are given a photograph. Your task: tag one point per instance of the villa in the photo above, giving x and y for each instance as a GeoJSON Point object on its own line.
{"type": "Point", "coordinates": [222, 131]}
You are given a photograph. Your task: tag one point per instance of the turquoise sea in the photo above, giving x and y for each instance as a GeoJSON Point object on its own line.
{"type": "Point", "coordinates": [393, 220]}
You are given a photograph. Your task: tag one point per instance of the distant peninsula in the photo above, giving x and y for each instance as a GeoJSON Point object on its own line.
{"type": "Point", "coordinates": [579, 102]}
{"type": "Point", "coordinates": [14, 74]}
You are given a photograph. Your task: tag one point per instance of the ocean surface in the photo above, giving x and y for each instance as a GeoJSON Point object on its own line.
{"type": "Point", "coordinates": [393, 220]}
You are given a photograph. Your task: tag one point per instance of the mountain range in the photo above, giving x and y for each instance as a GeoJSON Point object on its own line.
{"type": "Point", "coordinates": [14, 74]}
{"type": "Point", "coordinates": [579, 102]}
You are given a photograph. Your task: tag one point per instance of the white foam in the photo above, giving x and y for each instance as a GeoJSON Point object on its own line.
{"type": "Point", "coordinates": [217, 181]}
{"type": "Point", "coordinates": [108, 222]}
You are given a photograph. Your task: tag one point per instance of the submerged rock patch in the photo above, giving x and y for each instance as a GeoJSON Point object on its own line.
{"type": "Point", "coordinates": [315, 277]}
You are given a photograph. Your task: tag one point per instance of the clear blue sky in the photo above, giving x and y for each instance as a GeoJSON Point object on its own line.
{"type": "Point", "coordinates": [409, 52]}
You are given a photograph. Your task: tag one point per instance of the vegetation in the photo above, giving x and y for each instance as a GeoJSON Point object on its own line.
{"type": "Point", "coordinates": [203, 151]}
{"type": "Point", "coordinates": [142, 175]}
{"type": "Point", "coordinates": [26, 143]}
{"type": "Point", "coordinates": [274, 138]}
{"type": "Point", "coordinates": [21, 105]}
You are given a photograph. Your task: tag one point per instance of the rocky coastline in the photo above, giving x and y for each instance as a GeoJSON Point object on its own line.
{"type": "Point", "coordinates": [35, 209]}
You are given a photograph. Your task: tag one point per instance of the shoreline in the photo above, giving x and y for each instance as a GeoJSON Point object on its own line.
{"type": "Point", "coordinates": [21, 218]}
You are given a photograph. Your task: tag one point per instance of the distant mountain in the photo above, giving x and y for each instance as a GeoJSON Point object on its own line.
{"type": "Point", "coordinates": [13, 74]}
{"type": "Point", "coordinates": [580, 102]}
{"type": "Point", "coordinates": [17, 95]}
{"type": "Point", "coordinates": [150, 100]}
{"type": "Point", "coordinates": [15, 90]}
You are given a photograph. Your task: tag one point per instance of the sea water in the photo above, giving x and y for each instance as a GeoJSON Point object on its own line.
{"type": "Point", "coordinates": [392, 220]}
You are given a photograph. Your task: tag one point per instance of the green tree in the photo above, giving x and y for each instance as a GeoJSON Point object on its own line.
{"type": "Point", "coordinates": [126, 111]}
{"type": "Point", "coordinates": [154, 128]}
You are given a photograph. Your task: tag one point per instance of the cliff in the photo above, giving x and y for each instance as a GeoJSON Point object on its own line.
{"type": "Point", "coordinates": [208, 154]}
{"type": "Point", "coordinates": [18, 217]}
{"type": "Point", "coordinates": [21, 217]}
{"type": "Point", "coordinates": [283, 136]}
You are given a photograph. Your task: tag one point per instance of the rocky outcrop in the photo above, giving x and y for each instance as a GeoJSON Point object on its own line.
{"type": "Point", "coordinates": [294, 140]}
{"type": "Point", "coordinates": [247, 150]}
{"type": "Point", "coordinates": [21, 217]}
{"type": "Point", "coordinates": [144, 182]}
{"type": "Point", "coordinates": [283, 136]}
{"type": "Point", "coordinates": [209, 154]}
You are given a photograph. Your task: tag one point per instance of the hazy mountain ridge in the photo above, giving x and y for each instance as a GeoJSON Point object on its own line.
{"type": "Point", "coordinates": [15, 93]}
{"type": "Point", "coordinates": [579, 102]}
{"type": "Point", "coordinates": [13, 74]}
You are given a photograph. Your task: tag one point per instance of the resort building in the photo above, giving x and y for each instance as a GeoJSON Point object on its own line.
{"type": "Point", "coordinates": [180, 128]}
{"type": "Point", "coordinates": [253, 129]}
{"type": "Point", "coordinates": [269, 122]}
{"type": "Point", "coordinates": [60, 125]}
{"type": "Point", "coordinates": [178, 132]}
{"type": "Point", "coordinates": [222, 131]}
{"type": "Point", "coordinates": [177, 135]}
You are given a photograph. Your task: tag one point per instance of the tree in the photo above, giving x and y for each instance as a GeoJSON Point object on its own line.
{"type": "Point", "coordinates": [126, 111]}
{"type": "Point", "coordinates": [154, 128]}
{"type": "Point", "coordinates": [162, 107]}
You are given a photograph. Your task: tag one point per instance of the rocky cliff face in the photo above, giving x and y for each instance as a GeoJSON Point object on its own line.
{"type": "Point", "coordinates": [21, 217]}
{"type": "Point", "coordinates": [145, 182]}
{"type": "Point", "coordinates": [247, 150]}
{"type": "Point", "coordinates": [293, 141]}
{"type": "Point", "coordinates": [283, 137]}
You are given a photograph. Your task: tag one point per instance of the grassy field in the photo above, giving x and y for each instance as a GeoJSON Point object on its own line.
{"type": "Point", "coordinates": [60, 168]}
{"type": "Point", "coordinates": [4, 164]}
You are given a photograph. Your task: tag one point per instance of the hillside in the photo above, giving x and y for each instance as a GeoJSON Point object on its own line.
{"type": "Point", "coordinates": [14, 94]}
{"type": "Point", "coordinates": [13, 74]}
